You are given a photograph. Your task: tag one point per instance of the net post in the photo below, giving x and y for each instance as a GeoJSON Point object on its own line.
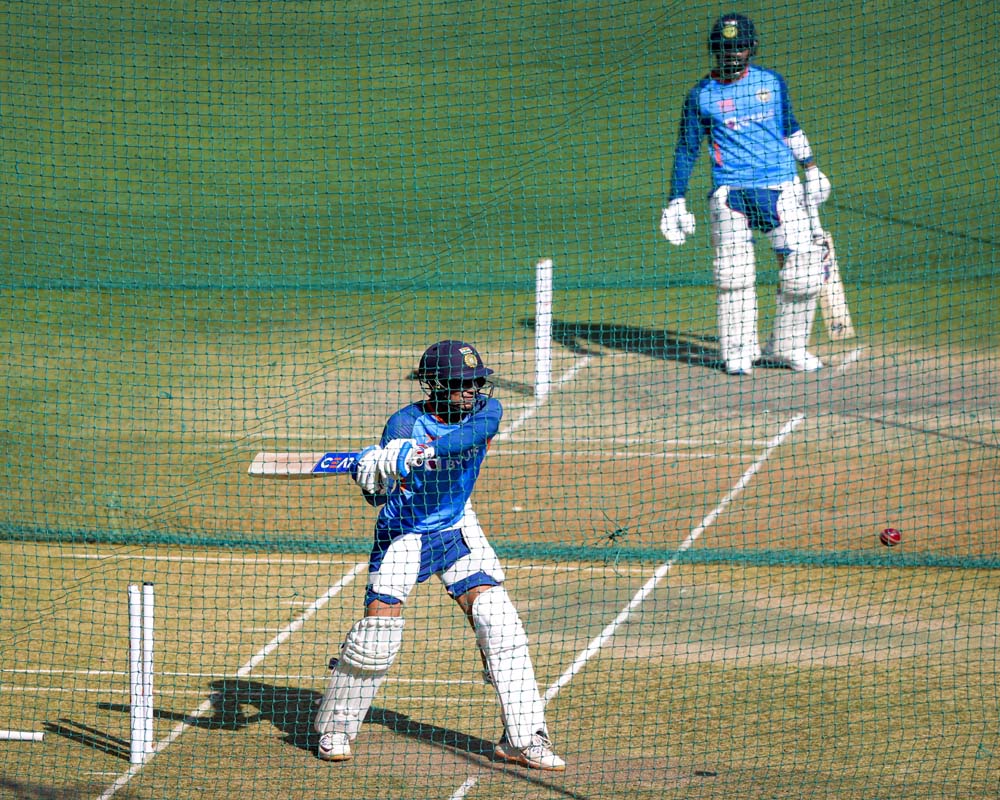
{"type": "Point", "coordinates": [140, 671]}
{"type": "Point", "coordinates": [136, 726]}
{"type": "Point", "coordinates": [147, 666]}
{"type": "Point", "coordinates": [543, 328]}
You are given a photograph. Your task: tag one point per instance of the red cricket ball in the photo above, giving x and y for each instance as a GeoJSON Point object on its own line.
{"type": "Point", "coordinates": [890, 537]}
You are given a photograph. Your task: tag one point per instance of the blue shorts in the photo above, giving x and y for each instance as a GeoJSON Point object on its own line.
{"type": "Point", "coordinates": [461, 557]}
{"type": "Point", "coordinates": [759, 206]}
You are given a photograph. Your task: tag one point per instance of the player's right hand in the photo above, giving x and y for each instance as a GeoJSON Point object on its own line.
{"type": "Point", "coordinates": [393, 460]}
{"type": "Point", "coordinates": [676, 222]}
{"type": "Point", "coordinates": [367, 474]}
{"type": "Point", "coordinates": [399, 457]}
{"type": "Point", "coordinates": [817, 187]}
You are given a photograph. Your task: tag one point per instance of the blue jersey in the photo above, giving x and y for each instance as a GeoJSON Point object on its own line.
{"type": "Point", "coordinates": [433, 498]}
{"type": "Point", "coordinates": [746, 123]}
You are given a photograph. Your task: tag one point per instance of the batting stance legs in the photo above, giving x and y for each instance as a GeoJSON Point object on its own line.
{"type": "Point", "coordinates": [779, 213]}
{"type": "Point", "coordinates": [466, 564]}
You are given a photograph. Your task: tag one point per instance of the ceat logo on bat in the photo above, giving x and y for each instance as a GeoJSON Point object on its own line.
{"type": "Point", "coordinates": [337, 461]}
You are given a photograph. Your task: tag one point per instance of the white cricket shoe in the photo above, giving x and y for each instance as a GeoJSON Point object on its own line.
{"type": "Point", "coordinates": [742, 366]}
{"type": "Point", "coordinates": [805, 362]}
{"type": "Point", "coordinates": [537, 755]}
{"type": "Point", "coordinates": [334, 747]}
{"type": "Point", "coordinates": [797, 362]}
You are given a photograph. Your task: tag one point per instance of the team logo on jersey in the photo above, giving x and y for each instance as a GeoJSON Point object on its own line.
{"type": "Point", "coordinates": [727, 104]}
{"type": "Point", "coordinates": [764, 95]}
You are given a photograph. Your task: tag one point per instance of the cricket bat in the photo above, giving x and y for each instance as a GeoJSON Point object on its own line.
{"type": "Point", "coordinates": [832, 300]}
{"type": "Point", "coordinates": [302, 465]}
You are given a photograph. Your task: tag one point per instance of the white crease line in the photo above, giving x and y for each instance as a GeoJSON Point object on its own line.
{"type": "Point", "coordinates": [278, 559]}
{"type": "Point", "coordinates": [87, 690]}
{"type": "Point", "coordinates": [532, 408]}
{"type": "Point", "coordinates": [849, 360]}
{"type": "Point", "coordinates": [271, 676]}
{"type": "Point", "coordinates": [242, 672]}
{"type": "Point", "coordinates": [599, 641]}
{"type": "Point", "coordinates": [464, 789]}
{"type": "Point", "coordinates": [606, 455]}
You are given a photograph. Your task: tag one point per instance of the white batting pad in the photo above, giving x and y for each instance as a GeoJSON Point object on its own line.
{"type": "Point", "coordinates": [793, 321]}
{"type": "Point", "coordinates": [737, 316]}
{"type": "Point", "coordinates": [802, 274]}
{"type": "Point", "coordinates": [504, 643]}
{"type": "Point", "coordinates": [367, 654]}
{"type": "Point", "coordinates": [801, 281]}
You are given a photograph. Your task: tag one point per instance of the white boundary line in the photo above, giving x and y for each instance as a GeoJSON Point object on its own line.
{"type": "Point", "coordinates": [21, 736]}
{"type": "Point", "coordinates": [242, 672]}
{"type": "Point", "coordinates": [661, 572]}
{"type": "Point", "coordinates": [849, 360]}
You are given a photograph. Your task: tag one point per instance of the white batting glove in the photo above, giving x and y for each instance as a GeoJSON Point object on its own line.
{"type": "Point", "coordinates": [676, 222]}
{"type": "Point", "coordinates": [401, 456]}
{"type": "Point", "coordinates": [817, 187]}
{"type": "Point", "coordinates": [366, 473]}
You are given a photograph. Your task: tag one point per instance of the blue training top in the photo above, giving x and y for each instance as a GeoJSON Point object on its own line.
{"type": "Point", "coordinates": [746, 122]}
{"type": "Point", "coordinates": [433, 497]}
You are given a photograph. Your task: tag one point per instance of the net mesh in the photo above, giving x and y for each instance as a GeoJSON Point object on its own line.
{"type": "Point", "coordinates": [234, 227]}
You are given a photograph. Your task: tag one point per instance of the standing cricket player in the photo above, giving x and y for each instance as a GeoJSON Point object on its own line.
{"type": "Point", "coordinates": [755, 145]}
{"type": "Point", "coordinates": [422, 474]}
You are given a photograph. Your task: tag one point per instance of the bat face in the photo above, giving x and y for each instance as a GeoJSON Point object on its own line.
{"type": "Point", "coordinates": [302, 465]}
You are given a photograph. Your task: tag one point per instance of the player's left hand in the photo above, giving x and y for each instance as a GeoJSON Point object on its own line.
{"type": "Point", "coordinates": [676, 222]}
{"type": "Point", "coordinates": [817, 187]}
{"type": "Point", "coordinates": [366, 473]}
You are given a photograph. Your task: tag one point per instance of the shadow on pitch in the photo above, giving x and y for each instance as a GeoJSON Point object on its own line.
{"type": "Point", "coordinates": [290, 709]}
{"type": "Point", "coordinates": [90, 737]}
{"type": "Point", "coordinates": [461, 745]}
{"type": "Point", "coordinates": [583, 338]}
{"type": "Point", "coordinates": [237, 704]}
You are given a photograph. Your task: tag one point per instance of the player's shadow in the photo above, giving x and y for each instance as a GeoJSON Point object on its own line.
{"type": "Point", "coordinates": [583, 338]}
{"type": "Point", "coordinates": [460, 744]}
{"type": "Point", "coordinates": [238, 704]}
{"type": "Point", "coordinates": [292, 710]}
{"type": "Point", "coordinates": [235, 704]}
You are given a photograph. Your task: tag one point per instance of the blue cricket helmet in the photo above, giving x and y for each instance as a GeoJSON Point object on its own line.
{"type": "Point", "coordinates": [449, 363]}
{"type": "Point", "coordinates": [732, 32]}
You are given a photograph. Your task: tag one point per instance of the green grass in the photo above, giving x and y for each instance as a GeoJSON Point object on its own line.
{"type": "Point", "coordinates": [256, 146]}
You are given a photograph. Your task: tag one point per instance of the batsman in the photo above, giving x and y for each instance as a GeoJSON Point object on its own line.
{"type": "Point", "coordinates": [756, 147]}
{"type": "Point", "coordinates": [421, 475]}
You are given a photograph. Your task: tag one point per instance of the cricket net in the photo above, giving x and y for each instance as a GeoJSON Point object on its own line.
{"type": "Point", "coordinates": [232, 228]}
